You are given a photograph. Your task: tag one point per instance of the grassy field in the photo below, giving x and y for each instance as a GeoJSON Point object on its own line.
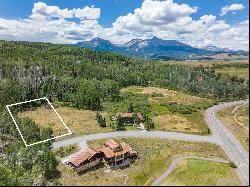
{"type": "Point", "coordinates": [240, 72]}
{"type": "Point", "coordinates": [239, 124]}
{"type": "Point", "coordinates": [160, 95]}
{"type": "Point", "coordinates": [45, 117]}
{"type": "Point", "coordinates": [170, 110]}
{"type": "Point", "coordinates": [193, 172]}
{"type": "Point", "coordinates": [206, 63]}
{"type": "Point", "coordinates": [65, 151]}
{"type": "Point", "coordinates": [154, 156]}
{"type": "Point", "coordinates": [80, 122]}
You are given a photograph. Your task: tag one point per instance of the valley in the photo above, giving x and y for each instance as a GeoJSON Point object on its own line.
{"type": "Point", "coordinates": [91, 90]}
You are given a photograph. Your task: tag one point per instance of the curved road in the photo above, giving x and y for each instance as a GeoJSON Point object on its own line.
{"type": "Point", "coordinates": [177, 160]}
{"type": "Point", "coordinates": [147, 134]}
{"type": "Point", "coordinates": [220, 135]}
{"type": "Point", "coordinates": [230, 144]}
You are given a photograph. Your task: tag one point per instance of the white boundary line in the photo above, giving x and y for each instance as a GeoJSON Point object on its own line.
{"type": "Point", "coordinates": [27, 145]}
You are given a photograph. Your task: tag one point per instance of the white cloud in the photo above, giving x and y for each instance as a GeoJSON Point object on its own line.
{"type": "Point", "coordinates": [164, 19]}
{"type": "Point", "coordinates": [231, 8]}
{"type": "Point", "coordinates": [41, 10]}
{"type": "Point", "coordinates": [50, 24]}
{"type": "Point", "coordinates": [152, 14]}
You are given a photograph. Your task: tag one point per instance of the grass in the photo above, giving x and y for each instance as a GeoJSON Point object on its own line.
{"type": "Point", "coordinates": [170, 110]}
{"type": "Point", "coordinates": [206, 63]}
{"type": "Point", "coordinates": [193, 172]}
{"type": "Point", "coordinates": [130, 127]}
{"type": "Point", "coordinates": [154, 156]}
{"type": "Point", "coordinates": [237, 125]}
{"type": "Point", "coordinates": [66, 151]}
{"type": "Point", "coordinates": [240, 72]}
{"type": "Point", "coordinates": [186, 123]}
{"type": "Point", "coordinates": [45, 117]}
{"type": "Point", "coordinates": [242, 115]}
{"type": "Point", "coordinates": [80, 122]}
{"type": "Point", "coordinates": [165, 95]}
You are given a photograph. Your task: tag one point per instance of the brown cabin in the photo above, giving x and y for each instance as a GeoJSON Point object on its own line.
{"type": "Point", "coordinates": [128, 117]}
{"type": "Point", "coordinates": [113, 154]}
{"type": "Point", "coordinates": [116, 155]}
{"type": "Point", "coordinates": [85, 159]}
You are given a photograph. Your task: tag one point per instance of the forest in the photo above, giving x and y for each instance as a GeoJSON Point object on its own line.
{"type": "Point", "coordinates": [84, 79]}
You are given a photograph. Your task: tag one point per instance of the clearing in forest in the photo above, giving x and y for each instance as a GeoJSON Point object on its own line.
{"type": "Point", "coordinates": [173, 110]}
{"type": "Point", "coordinates": [80, 122]}
{"type": "Point", "coordinates": [161, 95]}
{"type": "Point", "coordinates": [23, 113]}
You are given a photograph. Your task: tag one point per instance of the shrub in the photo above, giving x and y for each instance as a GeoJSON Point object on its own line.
{"type": "Point", "coordinates": [232, 164]}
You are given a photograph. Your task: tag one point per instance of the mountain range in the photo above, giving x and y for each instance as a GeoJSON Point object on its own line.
{"type": "Point", "coordinates": [154, 48]}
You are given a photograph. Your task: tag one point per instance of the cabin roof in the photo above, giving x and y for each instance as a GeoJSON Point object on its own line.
{"type": "Point", "coordinates": [82, 156]}
{"type": "Point", "coordinates": [130, 115]}
{"type": "Point", "coordinates": [109, 152]}
{"type": "Point", "coordinates": [127, 115]}
{"type": "Point", "coordinates": [112, 144]}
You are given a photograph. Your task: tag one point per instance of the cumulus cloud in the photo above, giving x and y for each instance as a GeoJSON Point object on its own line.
{"type": "Point", "coordinates": [153, 14]}
{"type": "Point", "coordinates": [164, 19]}
{"type": "Point", "coordinates": [50, 24]}
{"type": "Point", "coordinates": [41, 10]}
{"type": "Point", "coordinates": [231, 8]}
{"type": "Point", "coordinates": [169, 20]}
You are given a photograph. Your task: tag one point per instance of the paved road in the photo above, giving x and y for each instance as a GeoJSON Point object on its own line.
{"type": "Point", "coordinates": [177, 160]}
{"type": "Point", "coordinates": [147, 134]}
{"type": "Point", "coordinates": [231, 145]}
{"type": "Point", "coordinates": [221, 135]}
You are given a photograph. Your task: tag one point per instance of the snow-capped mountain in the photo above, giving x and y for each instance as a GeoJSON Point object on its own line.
{"type": "Point", "coordinates": [155, 48]}
{"type": "Point", "coordinates": [217, 49]}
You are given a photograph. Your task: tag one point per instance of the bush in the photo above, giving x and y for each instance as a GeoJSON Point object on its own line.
{"type": "Point", "coordinates": [154, 94]}
{"type": "Point", "coordinates": [232, 164]}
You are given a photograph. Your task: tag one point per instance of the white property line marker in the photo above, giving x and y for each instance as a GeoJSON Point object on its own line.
{"type": "Point", "coordinates": [27, 145]}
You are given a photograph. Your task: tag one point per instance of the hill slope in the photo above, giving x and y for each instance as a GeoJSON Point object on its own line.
{"type": "Point", "coordinates": [153, 48]}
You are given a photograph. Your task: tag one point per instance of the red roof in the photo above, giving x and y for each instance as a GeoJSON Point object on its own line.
{"type": "Point", "coordinates": [112, 144]}
{"type": "Point", "coordinates": [130, 115]}
{"type": "Point", "coordinates": [109, 153]}
{"type": "Point", "coordinates": [127, 115]}
{"type": "Point", "coordinates": [82, 156]}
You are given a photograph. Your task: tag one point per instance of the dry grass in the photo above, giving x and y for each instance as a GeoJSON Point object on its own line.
{"type": "Point", "coordinates": [45, 117]}
{"type": "Point", "coordinates": [172, 122]}
{"type": "Point", "coordinates": [80, 122]}
{"type": "Point", "coordinates": [242, 116]}
{"type": "Point", "coordinates": [237, 129]}
{"type": "Point", "coordinates": [154, 157]}
{"type": "Point", "coordinates": [240, 72]}
{"type": "Point", "coordinates": [206, 63]}
{"type": "Point", "coordinates": [164, 119]}
{"type": "Point", "coordinates": [193, 172]}
{"type": "Point", "coordinates": [166, 95]}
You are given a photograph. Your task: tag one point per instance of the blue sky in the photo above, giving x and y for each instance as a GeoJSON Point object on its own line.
{"type": "Point", "coordinates": [106, 14]}
{"type": "Point", "coordinates": [111, 9]}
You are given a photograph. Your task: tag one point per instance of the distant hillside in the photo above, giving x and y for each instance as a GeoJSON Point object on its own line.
{"type": "Point", "coordinates": [158, 49]}
{"type": "Point", "coordinates": [153, 48]}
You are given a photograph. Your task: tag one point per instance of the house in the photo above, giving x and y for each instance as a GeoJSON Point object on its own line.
{"type": "Point", "coordinates": [128, 117]}
{"type": "Point", "coordinates": [113, 154]}
{"type": "Point", "coordinates": [117, 155]}
{"type": "Point", "coordinates": [85, 159]}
